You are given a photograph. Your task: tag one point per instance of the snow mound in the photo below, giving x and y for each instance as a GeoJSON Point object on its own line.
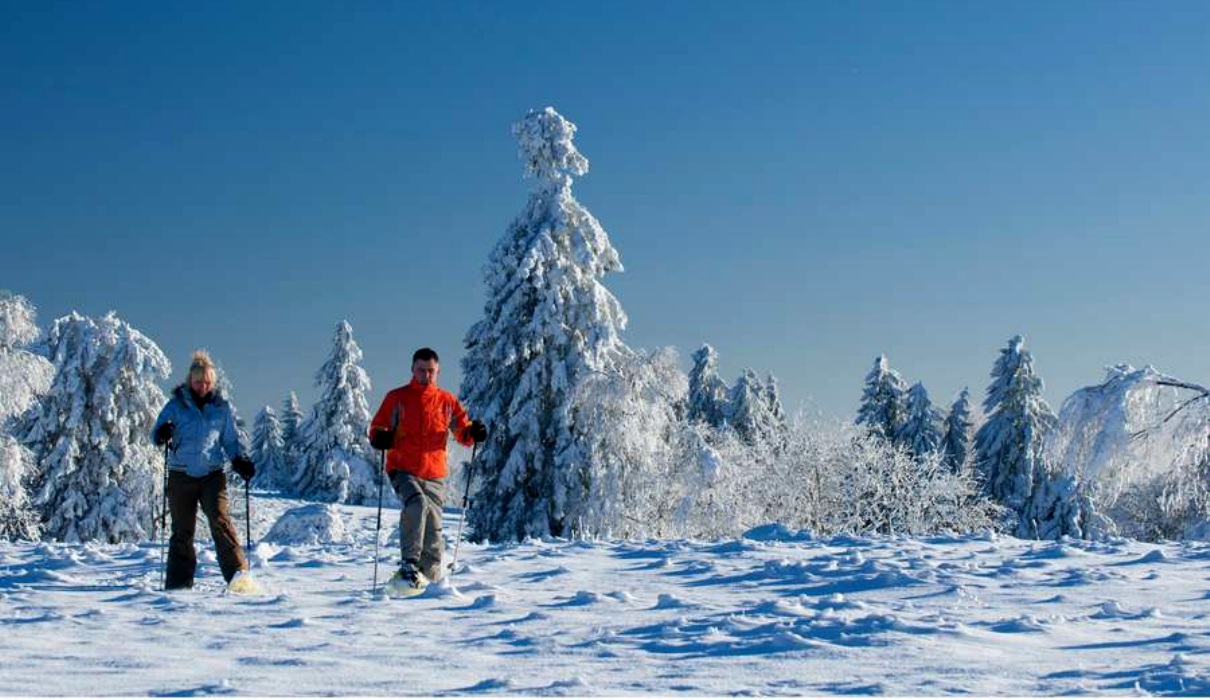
{"type": "Point", "coordinates": [316, 523]}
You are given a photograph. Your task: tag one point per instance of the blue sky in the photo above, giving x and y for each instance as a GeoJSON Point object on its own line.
{"type": "Point", "coordinates": [803, 185]}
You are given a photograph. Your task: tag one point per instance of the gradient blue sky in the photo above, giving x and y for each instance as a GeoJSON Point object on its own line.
{"type": "Point", "coordinates": [803, 184]}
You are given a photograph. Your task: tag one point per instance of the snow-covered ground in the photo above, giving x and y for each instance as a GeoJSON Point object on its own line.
{"type": "Point", "coordinates": [775, 613]}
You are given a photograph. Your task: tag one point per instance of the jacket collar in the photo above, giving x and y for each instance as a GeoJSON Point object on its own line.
{"type": "Point", "coordinates": [417, 386]}
{"type": "Point", "coordinates": [186, 397]}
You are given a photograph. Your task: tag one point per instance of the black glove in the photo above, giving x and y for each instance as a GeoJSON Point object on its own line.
{"type": "Point", "coordinates": [477, 431]}
{"type": "Point", "coordinates": [382, 439]}
{"type": "Point", "coordinates": [163, 434]}
{"type": "Point", "coordinates": [244, 467]}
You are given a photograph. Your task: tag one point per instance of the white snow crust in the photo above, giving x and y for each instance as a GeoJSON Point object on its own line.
{"type": "Point", "coordinates": [777, 612]}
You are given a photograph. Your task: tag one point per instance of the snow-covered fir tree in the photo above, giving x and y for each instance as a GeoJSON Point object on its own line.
{"type": "Point", "coordinates": [548, 321]}
{"type": "Point", "coordinates": [921, 431]}
{"type": "Point", "coordinates": [754, 410]}
{"type": "Point", "coordinates": [97, 475]}
{"type": "Point", "coordinates": [336, 463]}
{"type": "Point", "coordinates": [773, 402]}
{"type": "Point", "coordinates": [883, 408]}
{"type": "Point", "coordinates": [291, 421]}
{"type": "Point", "coordinates": [707, 391]}
{"type": "Point", "coordinates": [956, 443]}
{"type": "Point", "coordinates": [269, 450]}
{"type": "Point", "coordinates": [1009, 447]}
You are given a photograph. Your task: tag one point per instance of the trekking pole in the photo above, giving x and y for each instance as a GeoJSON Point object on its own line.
{"type": "Point", "coordinates": [466, 506]}
{"type": "Point", "coordinates": [248, 515]}
{"type": "Point", "coordinates": [164, 527]}
{"type": "Point", "coordinates": [378, 521]}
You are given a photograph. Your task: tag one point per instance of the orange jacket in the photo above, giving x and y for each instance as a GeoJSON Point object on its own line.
{"type": "Point", "coordinates": [420, 416]}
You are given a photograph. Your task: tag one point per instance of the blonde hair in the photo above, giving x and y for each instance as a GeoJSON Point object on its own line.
{"type": "Point", "coordinates": [201, 365]}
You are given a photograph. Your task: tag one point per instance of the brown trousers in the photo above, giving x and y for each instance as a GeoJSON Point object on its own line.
{"type": "Point", "coordinates": [185, 494]}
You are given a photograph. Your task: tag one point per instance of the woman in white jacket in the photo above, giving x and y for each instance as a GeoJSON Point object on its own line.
{"type": "Point", "coordinates": [198, 425]}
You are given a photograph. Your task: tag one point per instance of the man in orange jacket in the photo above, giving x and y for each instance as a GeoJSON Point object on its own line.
{"type": "Point", "coordinates": [412, 426]}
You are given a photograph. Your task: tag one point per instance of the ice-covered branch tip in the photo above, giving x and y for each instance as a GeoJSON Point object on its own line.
{"type": "Point", "coordinates": [546, 148]}
{"type": "Point", "coordinates": [1202, 393]}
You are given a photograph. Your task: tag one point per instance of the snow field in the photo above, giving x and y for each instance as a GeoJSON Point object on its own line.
{"type": "Point", "coordinates": [789, 615]}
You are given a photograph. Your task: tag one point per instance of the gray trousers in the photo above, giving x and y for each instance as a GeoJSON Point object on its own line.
{"type": "Point", "coordinates": [420, 521]}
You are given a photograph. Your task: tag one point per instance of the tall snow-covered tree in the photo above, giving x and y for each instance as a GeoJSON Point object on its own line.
{"type": "Point", "coordinates": [707, 391]}
{"type": "Point", "coordinates": [956, 443]}
{"type": "Point", "coordinates": [336, 462]}
{"type": "Point", "coordinates": [883, 402]}
{"type": "Point", "coordinates": [922, 426]}
{"type": "Point", "coordinates": [547, 322]}
{"type": "Point", "coordinates": [97, 475]}
{"type": "Point", "coordinates": [1009, 447]}
{"type": "Point", "coordinates": [291, 421]}
{"type": "Point", "coordinates": [269, 450]}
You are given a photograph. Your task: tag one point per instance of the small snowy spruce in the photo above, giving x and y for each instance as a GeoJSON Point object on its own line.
{"type": "Point", "coordinates": [1058, 508]}
{"type": "Point", "coordinates": [548, 321]}
{"type": "Point", "coordinates": [269, 450]}
{"type": "Point", "coordinates": [336, 465]}
{"type": "Point", "coordinates": [291, 421]}
{"type": "Point", "coordinates": [707, 391]}
{"type": "Point", "coordinates": [97, 476]}
{"type": "Point", "coordinates": [921, 432]}
{"type": "Point", "coordinates": [754, 410]}
{"type": "Point", "coordinates": [1009, 447]}
{"type": "Point", "coordinates": [956, 442]}
{"type": "Point", "coordinates": [883, 401]}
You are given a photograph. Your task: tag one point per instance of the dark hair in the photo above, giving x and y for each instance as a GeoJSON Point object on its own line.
{"type": "Point", "coordinates": [424, 355]}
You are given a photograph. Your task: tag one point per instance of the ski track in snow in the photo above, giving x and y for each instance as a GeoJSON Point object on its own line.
{"type": "Point", "coordinates": [848, 615]}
